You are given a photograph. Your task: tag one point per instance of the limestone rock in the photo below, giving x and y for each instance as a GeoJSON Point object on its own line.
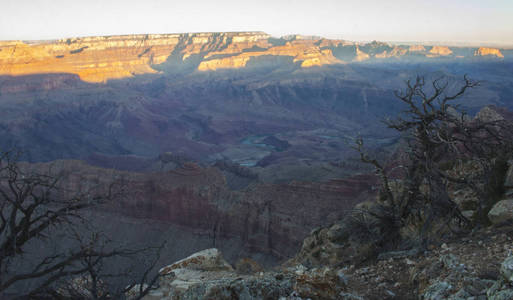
{"type": "Point", "coordinates": [440, 51]}
{"type": "Point", "coordinates": [417, 48]}
{"type": "Point", "coordinates": [196, 284]}
{"type": "Point", "coordinates": [484, 51]}
{"type": "Point", "coordinates": [507, 269]}
{"type": "Point", "coordinates": [360, 55]}
{"type": "Point", "coordinates": [501, 212]}
{"type": "Point", "coordinates": [500, 291]}
{"type": "Point", "coordinates": [437, 291]}
{"type": "Point", "coordinates": [318, 284]}
{"type": "Point", "coordinates": [206, 275]}
{"type": "Point", "coordinates": [206, 260]}
{"type": "Point", "coordinates": [102, 58]}
{"type": "Point", "coordinates": [488, 114]}
{"type": "Point", "coordinates": [502, 295]}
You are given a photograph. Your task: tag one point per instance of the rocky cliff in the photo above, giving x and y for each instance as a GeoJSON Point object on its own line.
{"type": "Point", "coordinates": [440, 51]}
{"type": "Point", "coordinates": [268, 219]}
{"type": "Point", "coordinates": [98, 59]}
{"type": "Point", "coordinates": [477, 267]}
{"type": "Point", "coordinates": [484, 51]}
{"type": "Point", "coordinates": [331, 264]}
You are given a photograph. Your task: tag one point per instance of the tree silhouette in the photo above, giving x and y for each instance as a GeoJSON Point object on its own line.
{"type": "Point", "coordinates": [444, 147]}
{"type": "Point", "coordinates": [36, 214]}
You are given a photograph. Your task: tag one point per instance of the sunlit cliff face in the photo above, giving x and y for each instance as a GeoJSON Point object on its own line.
{"type": "Point", "coordinates": [483, 51]}
{"type": "Point", "coordinates": [98, 59]}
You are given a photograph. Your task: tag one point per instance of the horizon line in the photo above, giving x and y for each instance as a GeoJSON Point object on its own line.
{"type": "Point", "coordinates": [458, 43]}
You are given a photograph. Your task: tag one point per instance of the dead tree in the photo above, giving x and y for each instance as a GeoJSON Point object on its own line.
{"type": "Point", "coordinates": [439, 133]}
{"type": "Point", "coordinates": [35, 216]}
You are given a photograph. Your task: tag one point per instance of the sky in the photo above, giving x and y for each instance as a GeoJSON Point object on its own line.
{"type": "Point", "coordinates": [455, 21]}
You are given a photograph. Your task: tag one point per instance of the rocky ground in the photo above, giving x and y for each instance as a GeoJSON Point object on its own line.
{"type": "Point", "coordinates": [462, 268]}
{"type": "Point", "coordinates": [334, 262]}
{"type": "Point", "coordinates": [476, 266]}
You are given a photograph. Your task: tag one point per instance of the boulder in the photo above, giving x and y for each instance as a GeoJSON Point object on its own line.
{"type": "Point", "coordinates": [318, 283]}
{"type": "Point", "coordinates": [438, 291]}
{"type": "Point", "coordinates": [501, 212]}
{"type": "Point", "coordinates": [502, 288]}
{"type": "Point", "coordinates": [502, 295]}
{"type": "Point", "coordinates": [206, 260]}
{"type": "Point", "coordinates": [489, 114]}
{"type": "Point", "coordinates": [507, 269]}
{"type": "Point", "coordinates": [194, 284]}
{"type": "Point", "coordinates": [500, 291]}
{"type": "Point", "coordinates": [206, 275]}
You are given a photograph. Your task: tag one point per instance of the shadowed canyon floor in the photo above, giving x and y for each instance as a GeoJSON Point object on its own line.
{"type": "Point", "coordinates": [246, 97]}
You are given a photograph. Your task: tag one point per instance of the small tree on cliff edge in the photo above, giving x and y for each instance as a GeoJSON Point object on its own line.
{"type": "Point", "coordinates": [38, 217]}
{"type": "Point", "coordinates": [445, 147]}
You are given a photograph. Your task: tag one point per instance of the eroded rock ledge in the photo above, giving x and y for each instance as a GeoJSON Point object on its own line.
{"type": "Point", "coordinates": [476, 267]}
{"type": "Point", "coordinates": [98, 59]}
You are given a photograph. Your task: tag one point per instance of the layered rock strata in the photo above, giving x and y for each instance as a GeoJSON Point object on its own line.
{"type": "Point", "coordinates": [98, 59]}
{"type": "Point", "coordinates": [271, 219]}
{"type": "Point", "coordinates": [484, 51]}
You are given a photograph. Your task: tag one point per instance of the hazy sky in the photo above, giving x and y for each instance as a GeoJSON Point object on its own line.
{"type": "Point", "coordinates": [390, 20]}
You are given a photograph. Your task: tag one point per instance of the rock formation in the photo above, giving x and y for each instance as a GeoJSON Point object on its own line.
{"type": "Point", "coordinates": [501, 212]}
{"type": "Point", "coordinates": [484, 51]}
{"type": "Point", "coordinates": [417, 48]}
{"type": "Point", "coordinates": [196, 277]}
{"type": "Point", "coordinates": [271, 219]}
{"type": "Point", "coordinates": [440, 51]}
{"type": "Point", "coordinates": [98, 59]}
{"type": "Point", "coordinates": [476, 267]}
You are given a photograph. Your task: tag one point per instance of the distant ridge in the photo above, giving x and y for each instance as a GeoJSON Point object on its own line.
{"type": "Point", "coordinates": [102, 58]}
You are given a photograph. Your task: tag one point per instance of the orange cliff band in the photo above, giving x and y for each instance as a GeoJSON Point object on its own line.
{"type": "Point", "coordinates": [99, 59]}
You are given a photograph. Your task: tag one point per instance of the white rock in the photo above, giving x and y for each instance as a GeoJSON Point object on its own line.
{"type": "Point", "coordinates": [502, 211]}
{"type": "Point", "coordinates": [507, 269]}
{"type": "Point", "coordinates": [206, 260]}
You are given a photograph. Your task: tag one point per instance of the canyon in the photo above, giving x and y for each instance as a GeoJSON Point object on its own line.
{"type": "Point", "coordinates": [240, 141]}
{"type": "Point", "coordinates": [266, 222]}
{"type": "Point", "coordinates": [99, 59]}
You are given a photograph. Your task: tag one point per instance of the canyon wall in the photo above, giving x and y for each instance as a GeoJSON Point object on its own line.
{"type": "Point", "coordinates": [268, 219]}
{"type": "Point", "coordinates": [98, 59]}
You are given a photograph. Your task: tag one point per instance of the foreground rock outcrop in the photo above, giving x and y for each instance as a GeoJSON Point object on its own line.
{"type": "Point", "coordinates": [479, 266]}
{"type": "Point", "coordinates": [205, 275]}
